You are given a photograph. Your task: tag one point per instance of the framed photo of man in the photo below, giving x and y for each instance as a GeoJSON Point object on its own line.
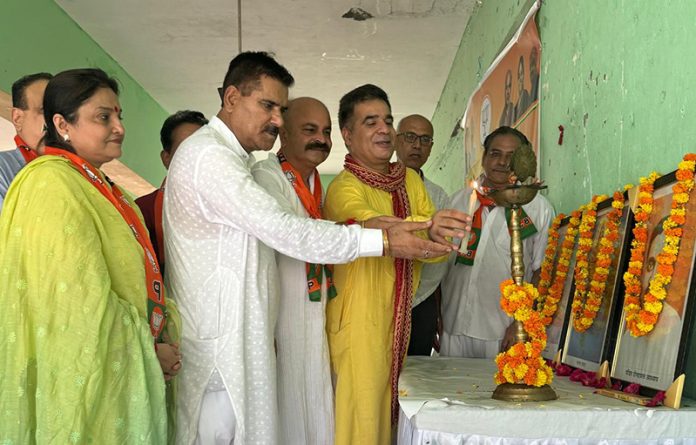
{"type": "Point", "coordinates": [587, 350]}
{"type": "Point", "coordinates": [655, 359]}
{"type": "Point", "coordinates": [555, 331]}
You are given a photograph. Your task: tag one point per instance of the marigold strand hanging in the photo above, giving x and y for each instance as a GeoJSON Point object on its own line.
{"type": "Point", "coordinates": [546, 272]}
{"type": "Point", "coordinates": [548, 302]}
{"type": "Point", "coordinates": [585, 309]}
{"type": "Point", "coordinates": [582, 264]}
{"type": "Point", "coordinates": [642, 313]}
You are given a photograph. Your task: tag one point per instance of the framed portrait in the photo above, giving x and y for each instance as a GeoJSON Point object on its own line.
{"type": "Point", "coordinates": [655, 359]}
{"type": "Point", "coordinates": [556, 330]}
{"type": "Point", "coordinates": [587, 350]}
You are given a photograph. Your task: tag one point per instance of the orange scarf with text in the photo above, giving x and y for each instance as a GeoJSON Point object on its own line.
{"type": "Point", "coordinates": [156, 306]}
{"type": "Point", "coordinates": [394, 183]}
{"type": "Point", "coordinates": [312, 204]}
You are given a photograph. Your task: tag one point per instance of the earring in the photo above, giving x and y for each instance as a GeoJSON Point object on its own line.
{"type": "Point", "coordinates": [66, 137]}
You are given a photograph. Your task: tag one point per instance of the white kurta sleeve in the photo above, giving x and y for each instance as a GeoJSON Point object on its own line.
{"type": "Point", "coordinates": [232, 197]}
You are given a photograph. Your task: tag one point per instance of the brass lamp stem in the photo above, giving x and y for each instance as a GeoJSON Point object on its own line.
{"type": "Point", "coordinates": [517, 256]}
{"type": "Point", "coordinates": [516, 246]}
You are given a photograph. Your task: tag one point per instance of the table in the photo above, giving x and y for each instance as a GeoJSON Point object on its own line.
{"type": "Point", "coordinates": [448, 401]}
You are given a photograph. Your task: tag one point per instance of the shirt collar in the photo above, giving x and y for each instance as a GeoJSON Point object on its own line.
{"type": "Point", "coordinates": [230, 139]}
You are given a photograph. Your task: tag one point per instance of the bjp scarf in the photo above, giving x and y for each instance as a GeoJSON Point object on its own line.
{"type": "Point", "coordinates": [312, 204]}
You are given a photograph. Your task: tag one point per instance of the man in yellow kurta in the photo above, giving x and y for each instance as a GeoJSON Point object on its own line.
{"type": "Point", "coordinates": [368, 322]}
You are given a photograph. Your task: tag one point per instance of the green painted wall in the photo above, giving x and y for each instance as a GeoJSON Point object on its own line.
{"type": "Point", "coordinates": [326, 180]}
{"type": "Point", "coordinates": [37, 35]}
{"type": "Point", "coordinates": [618, 75]}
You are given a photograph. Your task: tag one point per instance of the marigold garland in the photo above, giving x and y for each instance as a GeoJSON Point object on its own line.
{"type": "Point", "coordinates": [546, 272]}
{"type": "Point", "coordinates": [582, 264]}
{"type": "Point", "coordinates": [522, 363]}
{"type": "Point", "coordinates": [586, 305]}
{"type": "Point", "coordinates": [642, 314]}
{"type": "Point", "coordinates": [549, 297]}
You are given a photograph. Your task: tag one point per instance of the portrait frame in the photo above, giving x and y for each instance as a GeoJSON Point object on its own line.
{"type": "Point", "coordinates": [656, 359]}
{"type": "Point", "coordinates": [556, 330]}
{"type": "Point", "coordinates": [589, 349]}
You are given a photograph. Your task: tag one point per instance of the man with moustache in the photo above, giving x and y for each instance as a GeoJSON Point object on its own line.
{"type": "Point", "coordinates": [220, 227]}
{"type": "Point", "coordinates": [175, 129]}
{"type": "Point", "coordinates": [305, 394]}
{"type": "Point", "coordinates": [28, 120]}
{"type": "Point", "coordinates": [414, 140]}
{"type": "Point", "coordinates": [368, 322]}
{"type": "Point", "coordinates": [474, 325]}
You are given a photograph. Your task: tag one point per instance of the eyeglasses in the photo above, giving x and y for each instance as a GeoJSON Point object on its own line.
{"type": "Point", "coordinates": [411, 138]}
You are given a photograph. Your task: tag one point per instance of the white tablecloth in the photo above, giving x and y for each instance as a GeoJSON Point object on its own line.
{"type": "Point", "coordinates": [448, 401]}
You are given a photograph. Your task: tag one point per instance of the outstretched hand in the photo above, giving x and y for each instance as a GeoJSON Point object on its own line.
{"type": "Point", "coordinates": [403, 243]}
{"type": "Point", "coordinates": [449, 223]}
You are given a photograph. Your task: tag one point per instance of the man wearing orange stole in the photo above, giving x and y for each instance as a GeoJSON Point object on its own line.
{"type": "Point", "coordinates": [28, 120]}
{"type": "Point", "coordinates": [368, 322]}
{"type": "Point", "coordinates": [305, 394]}
{"type": "Point", "coordinates": [474, 325]}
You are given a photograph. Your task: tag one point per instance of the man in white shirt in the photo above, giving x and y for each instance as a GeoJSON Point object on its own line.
{"type": "Point", "coordinates": [414, 140]}
{"type": "Point", "coordinates": [217, 224]}
{"type": "Point", "coordinates": [474, 325]}
{"type": "Point", "coordinates": [305, 394]}
{"type": "Point", "coordinates": [28, 120]}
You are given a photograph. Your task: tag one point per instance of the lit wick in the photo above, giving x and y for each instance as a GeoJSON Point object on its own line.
{"type": "Point", "coordinates": [463, 247]}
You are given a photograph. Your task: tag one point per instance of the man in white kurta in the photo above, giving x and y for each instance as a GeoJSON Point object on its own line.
{"type": "Point", "coordinates": [474, 325]}
{"type": "Point", "coordinates": [473, 322]}
{"type": "Point", "coordinates": [305, 393]}
{"type": "Point", "coordinates": [217, 223]}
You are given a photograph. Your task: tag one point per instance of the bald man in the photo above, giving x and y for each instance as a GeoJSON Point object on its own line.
{"type": "Point", "coordinates": [414, 140]}
{"type": "Point", "coordinates": [305, 395]}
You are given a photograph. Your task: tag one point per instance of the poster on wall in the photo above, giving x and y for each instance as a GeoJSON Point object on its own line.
{"type": "Point", "coordinates": [507, 95]}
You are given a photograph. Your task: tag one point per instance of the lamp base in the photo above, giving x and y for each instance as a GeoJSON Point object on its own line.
{"type": "Point", "coordinates": [516, 392]}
